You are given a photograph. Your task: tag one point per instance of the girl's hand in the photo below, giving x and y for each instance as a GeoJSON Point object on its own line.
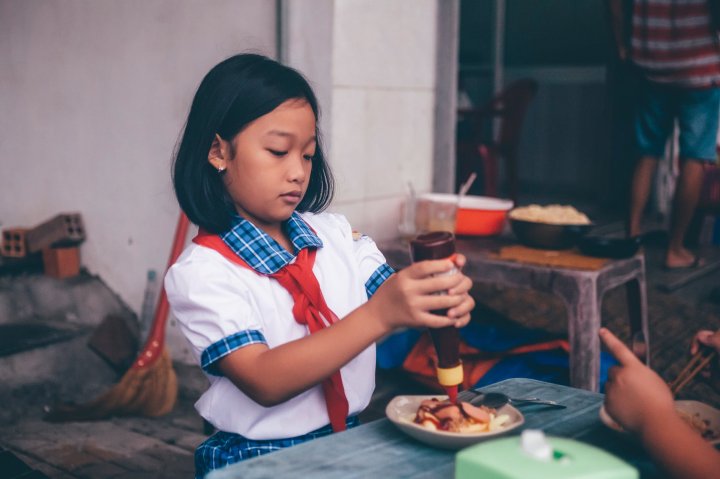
{"type": "Point", "coordinates": [461, 313]}
{"type": "Point", "coordinates": [634, 393]}
{"type": "Point", "coordinates": [407, 298]}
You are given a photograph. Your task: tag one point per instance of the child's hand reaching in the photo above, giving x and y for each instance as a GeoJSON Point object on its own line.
{"type": "Point", "coordinates": [634, 394]}
{"type": "Point", "coordinates": [407, 298]}
{"type": "Point", "coordinates": [642, 403]}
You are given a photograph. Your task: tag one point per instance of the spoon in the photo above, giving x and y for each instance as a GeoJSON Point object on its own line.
{"type": "Point", "coordinates": [465, 187]}
{"type": "Point", "coordinates": [498, 400]}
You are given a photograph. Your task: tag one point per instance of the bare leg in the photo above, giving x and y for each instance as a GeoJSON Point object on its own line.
{"type": "Point", "coordinates": [686, 199]}
{"type": "Point", "coordinates": [641, 182]}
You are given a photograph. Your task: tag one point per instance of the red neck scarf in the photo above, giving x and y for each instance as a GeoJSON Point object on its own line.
{"type": "Point", "coordinates": [309, 309]}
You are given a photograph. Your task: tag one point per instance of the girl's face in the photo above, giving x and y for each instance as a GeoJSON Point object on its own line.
{"type": "Point", "coordinates": [269, 162]}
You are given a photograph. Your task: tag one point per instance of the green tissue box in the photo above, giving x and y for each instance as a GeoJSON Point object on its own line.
{"type": "Point", "coordinates": [533, 455]}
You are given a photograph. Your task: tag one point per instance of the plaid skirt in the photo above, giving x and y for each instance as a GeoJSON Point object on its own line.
{"type": "Point", "coordinates": [224, 448]}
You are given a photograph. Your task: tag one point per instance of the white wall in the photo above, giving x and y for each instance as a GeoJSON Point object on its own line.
{"type": "Point", "coordinates": [307, 42]}
{"type": "Point", "coordinates": [381, 89]}
{"type": "Point", "coordinates": [93, 94]}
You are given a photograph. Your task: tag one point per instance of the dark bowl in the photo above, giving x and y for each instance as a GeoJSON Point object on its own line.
{"type": "Point", "coordinates": [546, 235]}
{"type": "Point", "coordinates": [609, 247]}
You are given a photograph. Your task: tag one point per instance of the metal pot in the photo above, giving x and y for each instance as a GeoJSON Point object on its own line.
{"type": "Point", "coordinates": [546, 235]}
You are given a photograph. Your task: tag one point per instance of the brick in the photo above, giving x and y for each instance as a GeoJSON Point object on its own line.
{"type": "Point", "coordinates": [14, 244]}
{"type": "Point", "coordinates": [61, 262]}
{"type": "Point", "coordinates": [65, 229]}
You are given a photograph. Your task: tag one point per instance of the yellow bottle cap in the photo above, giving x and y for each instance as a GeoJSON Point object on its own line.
{"type": "Point", "coordinates": [450, 376]}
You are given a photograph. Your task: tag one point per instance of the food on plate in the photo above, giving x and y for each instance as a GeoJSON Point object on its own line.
{"type": "Point", "coordinates": [702, 426]}
{"type": "Point", "coordinates": [551, 214]}
{"type": "Point", "coordinates": [461, 417]}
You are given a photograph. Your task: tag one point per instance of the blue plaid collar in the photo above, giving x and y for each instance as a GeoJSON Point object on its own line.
{"type": "Point", "coordinates": [263, 253]}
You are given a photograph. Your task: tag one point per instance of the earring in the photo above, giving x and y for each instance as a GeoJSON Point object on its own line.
{"type": "Point", "coordinates": [221, 170]}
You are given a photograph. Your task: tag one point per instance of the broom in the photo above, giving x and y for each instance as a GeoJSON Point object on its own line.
{"type": "Point", "coordinates": [149, 387]}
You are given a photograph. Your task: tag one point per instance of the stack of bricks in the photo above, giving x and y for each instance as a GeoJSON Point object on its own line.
{"type": "Point", "coordinates": [13, 243]}
{"type": "Point", "coordinates": [58, 239]}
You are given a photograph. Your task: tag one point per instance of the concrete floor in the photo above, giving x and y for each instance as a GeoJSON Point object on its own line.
{"type": "Point", "coordinates": [163, 447]}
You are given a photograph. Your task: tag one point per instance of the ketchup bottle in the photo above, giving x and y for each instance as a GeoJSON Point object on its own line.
{"type": "Point", "coordinates": [441, 245]}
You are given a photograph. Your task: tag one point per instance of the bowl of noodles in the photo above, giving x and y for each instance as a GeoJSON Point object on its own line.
{"type": "Point", "coordinates": [549, 227]}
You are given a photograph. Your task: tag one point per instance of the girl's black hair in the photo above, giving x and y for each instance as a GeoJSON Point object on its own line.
{"type": "Point", "coordinates": [234, 93]}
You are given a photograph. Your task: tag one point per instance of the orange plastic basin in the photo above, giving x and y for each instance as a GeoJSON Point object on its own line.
{"type": "Point", "coordinates": [481, 216]}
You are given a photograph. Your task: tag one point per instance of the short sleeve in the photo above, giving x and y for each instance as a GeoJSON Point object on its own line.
{"type": "Point", "coordinates": [373, 267]}
{"type": "Point", "coordinates": [213, 309]}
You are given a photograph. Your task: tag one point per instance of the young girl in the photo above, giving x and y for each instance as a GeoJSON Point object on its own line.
{"type": "Point", "coordinates": [280, 302]}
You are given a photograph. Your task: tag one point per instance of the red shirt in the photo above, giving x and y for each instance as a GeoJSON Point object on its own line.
{"type": "Point", "coordinates": [674, 42]}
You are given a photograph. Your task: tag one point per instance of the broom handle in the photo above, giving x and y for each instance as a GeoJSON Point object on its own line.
{"type": "Point", "coordinates": [156, 339]}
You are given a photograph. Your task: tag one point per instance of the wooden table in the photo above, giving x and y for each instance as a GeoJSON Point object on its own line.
{"type": "Point", "coordinates": [379, 450]}
{"type": "Point", "coordinates": [582, 292]}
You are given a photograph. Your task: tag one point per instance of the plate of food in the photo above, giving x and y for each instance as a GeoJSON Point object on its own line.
{"type": "Point", "coordinates": [699, 416]}
{"type": "Point", "coordinates": [437, 422]}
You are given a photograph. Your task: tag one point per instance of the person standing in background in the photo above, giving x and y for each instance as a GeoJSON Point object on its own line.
{"type": "Point", "coordinates": [675, 48]}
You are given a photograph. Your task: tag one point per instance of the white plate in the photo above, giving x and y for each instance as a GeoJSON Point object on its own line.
{"type": "Point", "coordinates": [691, 408]}
{"type": "Point", "coordinates": [402, 409]}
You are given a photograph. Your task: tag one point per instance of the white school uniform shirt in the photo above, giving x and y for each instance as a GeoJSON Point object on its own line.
{"type": "Point", "coordinates": [222, 306]}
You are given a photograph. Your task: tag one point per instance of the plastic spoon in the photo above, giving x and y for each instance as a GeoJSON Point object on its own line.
{"type": "Point", "coordinates": [466, 186]}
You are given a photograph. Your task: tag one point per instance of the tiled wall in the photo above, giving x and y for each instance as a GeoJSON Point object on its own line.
{"type": "Point", "coordinates": [382, 100]}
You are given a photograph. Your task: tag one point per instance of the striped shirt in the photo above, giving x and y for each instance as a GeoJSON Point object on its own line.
{"type": "Point", "coordinates": [675, 42]}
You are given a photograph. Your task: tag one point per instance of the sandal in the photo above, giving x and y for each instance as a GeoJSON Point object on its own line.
{"type": "Point", "coordinates": [696, 263]}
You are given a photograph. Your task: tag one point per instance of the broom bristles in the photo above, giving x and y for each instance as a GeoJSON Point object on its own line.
{"type": "Point", "coordinates": [149, 387]}
{"type": "Point", "coordinates": [150, 391]}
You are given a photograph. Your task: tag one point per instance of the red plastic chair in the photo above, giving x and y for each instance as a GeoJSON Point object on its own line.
{"type": "Point", "coordinates": [475, 151]}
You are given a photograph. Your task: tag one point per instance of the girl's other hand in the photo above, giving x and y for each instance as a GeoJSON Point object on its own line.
{"type": "Point", "coordinates": [407, 298]}
{"type": "Point", "coordinates": [634, 394]}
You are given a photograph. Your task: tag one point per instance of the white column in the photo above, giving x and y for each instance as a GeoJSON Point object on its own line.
{"type": "Point", "coordinates": [381, 92]}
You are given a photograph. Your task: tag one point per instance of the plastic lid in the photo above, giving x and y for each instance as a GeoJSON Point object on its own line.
{"type": "Point", "coordinates": [450, 376]}
{"type": "Point", "coordinates": [435, 245]}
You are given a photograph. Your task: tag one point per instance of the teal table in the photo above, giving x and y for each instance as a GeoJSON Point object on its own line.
{"type": "Point", "coordinates": [379, 450]}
